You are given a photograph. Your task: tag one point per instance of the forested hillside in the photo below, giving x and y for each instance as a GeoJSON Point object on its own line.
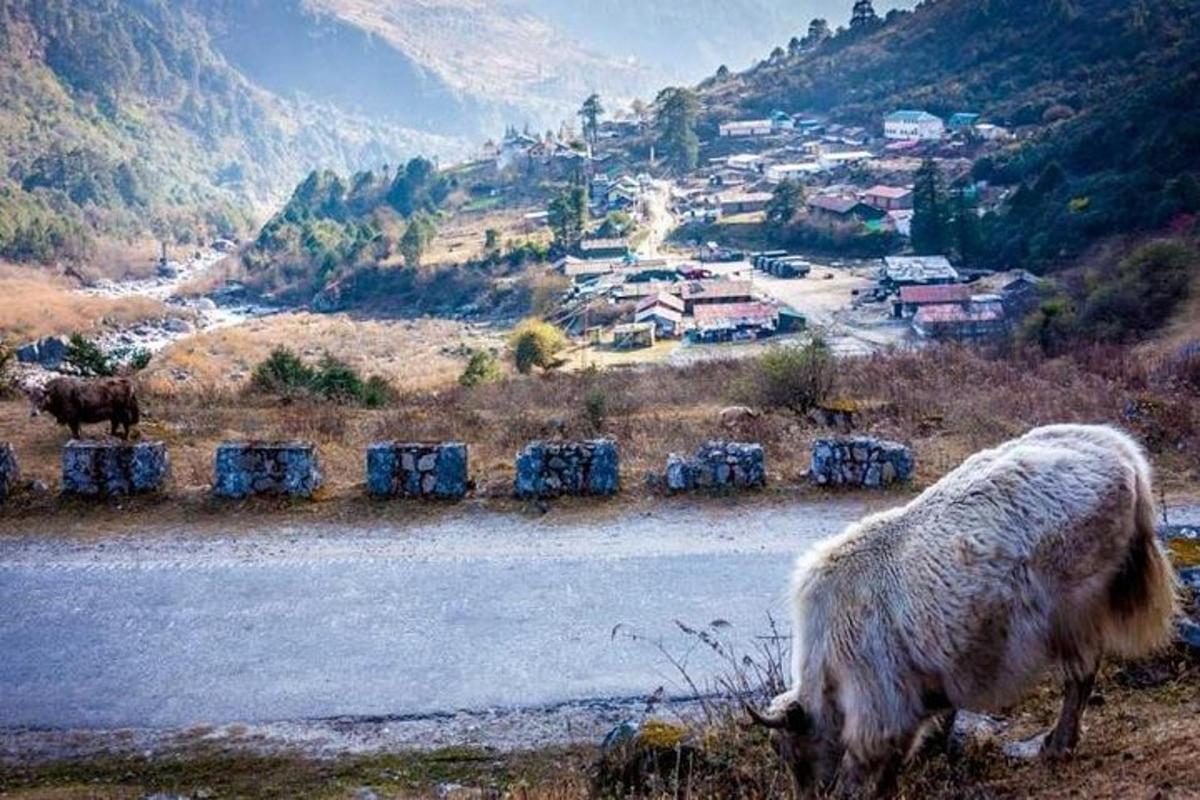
{"type": "Point", "coordinates": [118, 118]}
{"type": "Point", "coordinates": [1102, 92]}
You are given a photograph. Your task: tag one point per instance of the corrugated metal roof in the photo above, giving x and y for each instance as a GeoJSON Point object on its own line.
{"type": "Point", "coordinates": [928, 295]}
{"type": "Point", "coordinates": [955, 313]}
{"type": "Point", "coordinates": [732, 315]}
{"type": "Point", "coordinates": [664, 299]}
{"type": "Point", "coordinates": [717, 288]}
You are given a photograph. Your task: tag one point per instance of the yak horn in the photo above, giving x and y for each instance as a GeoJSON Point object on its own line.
{"type": "Point", "coordinates": [772, 721]}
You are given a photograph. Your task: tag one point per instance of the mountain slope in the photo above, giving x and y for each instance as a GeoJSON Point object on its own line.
{"type": "Point", "coordinates": [1104, 93]}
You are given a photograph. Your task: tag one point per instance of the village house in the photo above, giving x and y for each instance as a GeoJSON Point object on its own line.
{"type": "Point", "coordinates": [746, 128]}
{"type": "Point", "coordinates": [702, 293]}
{"type": "Point", "coordinates": [604, 248]}
{"type": "Point", "coordinates": [835, 208]}
{"type": "Point", "coordinates": [723, 322]}
{"type": "Point", "coordinates": [917, 125]}
{"type": "Point", "coordinates": [664, 311]}
{"type": "Point", "coordinates": [913, 298]}
{"type": "Point", "coordinates": [975, 319]}
{"type": "Point", "coordinates": [962, 122]}
{"type": "Point", "coordinates": [992, 133]}
{"type": "Point", "coordinates": [844, 158]}
{"type": "Point", "coordinates": [743, 202]}
{"type": "Point", "coordinates": [632, 335]}
{"type": "Point", "coordinates": [889, 198]}
{"type": "Point", "coordinates": [745, 162]}
{"type": "Point", "coordinates": [778, 173]}
{"type": "Point", "coordinates": [901, 271]}
{"type": "Point", "coordinates": [900, 221]}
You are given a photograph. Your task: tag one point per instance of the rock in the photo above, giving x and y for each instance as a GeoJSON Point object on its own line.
{"type": "Point", "coordinates": [49, 352]}
{"type": "Point", "coordinates": [1188, 633]}
{"type": "Point", "coordinates": [433, 471]}
{"type": "Point", "coordinates": [10, 471]}
{"type": "Point", "coordinates": [113, 469]}
{"type": "Point", "coordinates": [572, 468]}
{"type": "Point", "coordinates": [242, 469]}
{"type": "Point", "coordinates": [177, 325]}
{"type": "Point", "coordinates": [860, 461]}
{"type": "Point", "coordinates": [718, 465]}
{"type": "Point", "coordinates": [1190, 577]}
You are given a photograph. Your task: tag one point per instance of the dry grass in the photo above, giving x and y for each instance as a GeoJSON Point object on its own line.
{"type": "Point", "coordinates": [1139, 743]}
{"type": "Point", "coordinates": [462, 237]}
{"type": "Point", "coordinates": [946, 402]}
{"type": "Point", "coordinates": [413, 355]}
{"type": "Point", "coordinates": [35, 303]}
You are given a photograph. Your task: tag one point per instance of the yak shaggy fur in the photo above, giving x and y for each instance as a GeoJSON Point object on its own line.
{"type": "Point", "coordinates": [1039, 553]}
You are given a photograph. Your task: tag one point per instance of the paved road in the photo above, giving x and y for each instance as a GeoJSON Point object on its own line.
{"type": "Point", "coordinates": [170, 629]}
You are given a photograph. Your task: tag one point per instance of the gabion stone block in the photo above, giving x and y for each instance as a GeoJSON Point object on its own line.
{"type": "Point", "coordinates": [289, 469]}
{"type": "Point", "coordinates": [109, 469]}
{"type": "Point", "coordinates": [718, 465]}
{"type": "Point", "coordinates": [553, 469]}
{"type": "Point", "coordinates": [407, 469]}
{"type": "Point", "coordinates": [10, 471]}
{"type": "Point", "coordinates": [860, 461]}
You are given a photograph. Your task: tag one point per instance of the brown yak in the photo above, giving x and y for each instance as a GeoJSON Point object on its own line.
{"type": "Point", "coordinates": [73, 401]}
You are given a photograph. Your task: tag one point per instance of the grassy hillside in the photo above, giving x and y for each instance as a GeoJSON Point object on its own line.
{"type": "Point", "coordinates": [1103, 89]}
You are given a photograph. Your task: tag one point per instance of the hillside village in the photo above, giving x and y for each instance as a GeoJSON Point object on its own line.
{"type": "Point", "coordinates": [696, 269]}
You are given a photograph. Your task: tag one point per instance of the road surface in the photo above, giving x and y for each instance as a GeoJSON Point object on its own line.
{"type": "Point", "coordinates": [474, 611]}
{"type": "Point", "coordinates": [479, 627]}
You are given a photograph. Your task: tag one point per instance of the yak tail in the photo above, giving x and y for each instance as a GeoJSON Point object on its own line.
{"type": "Point", "coordinates": [1143, 597]}
{"type": "Point", "coordinates": [135, 413]}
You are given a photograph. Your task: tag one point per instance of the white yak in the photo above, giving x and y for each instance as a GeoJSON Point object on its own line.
{"type": "Point", "coordinates": [1039, 553]}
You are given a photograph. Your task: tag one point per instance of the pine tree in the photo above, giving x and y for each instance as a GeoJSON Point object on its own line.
{"type": "Point", "coordinates": [676, 110]}
{"type": "Point", "coordinates": [930, 223]}
{"type": "Point", "coordinates": [863, 14]}
{"type": "Point", "coordinates": [590, 113]}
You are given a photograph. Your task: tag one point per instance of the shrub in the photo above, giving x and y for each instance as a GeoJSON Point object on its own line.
{"type": "Point", "coordinates": [377, 392]}
{"type": "Point", "coordinates": [795, 378]}
{"type": "Point", "coordinates": [482, 367]}
{"type": "Point", "coordinates": [283, 372]}
{"type": "Point", "coordinates": [595, 408]}
{"type": "Point", "coordinates": [536, 344]}
{"type": "Point", "coordinates": [85, 358]}
{"type": "Point", "coordinates": [337, 381]}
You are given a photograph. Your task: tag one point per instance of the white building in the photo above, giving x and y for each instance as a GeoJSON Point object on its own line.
{"type": "Point", "coordinates": [751, 127]}
{"type": "Point", "coordinates": [778, 173]}
{"type": "Point", "coordinates": [913, 125]}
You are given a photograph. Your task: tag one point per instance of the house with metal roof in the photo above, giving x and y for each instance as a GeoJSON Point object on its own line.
{"type": "Point", "coordinates": [901, 271]}
{"type": "Point", "coordinates": [972, 320]}
{"type": "Point", "coordinates": [722, 322]}
{"type": "Point", "coordinates": [914, 298]}
{"type": "Point", "coordinates": [889, 198]}
{"type": "Point", "coordinates": [908, 124]}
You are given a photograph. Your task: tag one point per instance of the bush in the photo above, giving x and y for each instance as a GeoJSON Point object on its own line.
{"type": "Point", "coordinates": [284, 373]}
{"type": "Point", "coordinates": [1147, 288]}
{"type": "Point", "coordinates": [595, 408]}
{"type": "Point", "coordinates": [795, 378]}
{"type": "Point", "coordinates": [85, 358]}
{"type": "Point", "coordinates": [482, 367]}
{"type": "Point", "coordinates": [536, 344]}
{"type": "Point", "coordinates": [335, 380]}
{"type": "Point", "coordinates": [377, 393]}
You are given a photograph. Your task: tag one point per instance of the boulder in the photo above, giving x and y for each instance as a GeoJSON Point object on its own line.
{"type": "Point", "coordinates": [48, 353]}
{"type": "Point", "coordinates": [10, 471]}
{"type": "Point", "coordinates": [114, 468]}
{"type": "Point", "coordinates": [407, 469]}
{"type": "Point", "coordinates": [242, 469]}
